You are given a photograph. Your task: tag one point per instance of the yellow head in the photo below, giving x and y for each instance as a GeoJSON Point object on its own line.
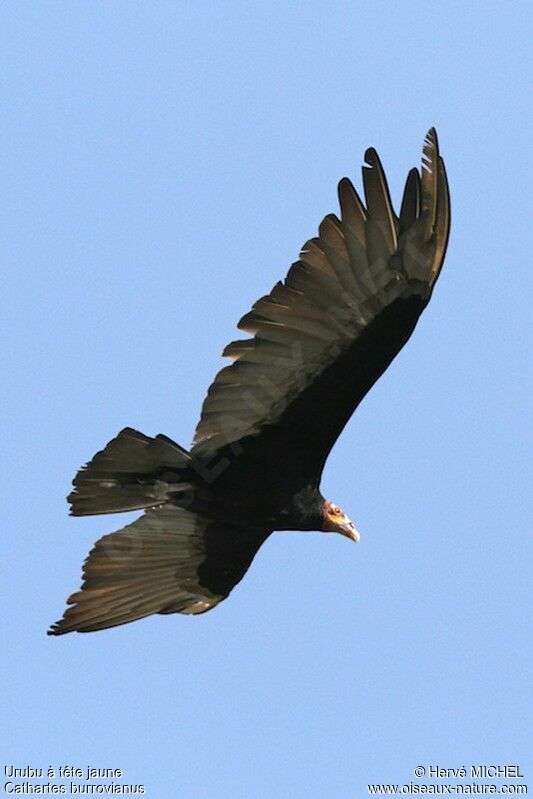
{"type": "Point", "coordinates": [336, 521]}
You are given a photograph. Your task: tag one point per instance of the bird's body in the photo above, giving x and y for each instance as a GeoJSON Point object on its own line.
{"type": "Point", "coordinates": [320, 341]}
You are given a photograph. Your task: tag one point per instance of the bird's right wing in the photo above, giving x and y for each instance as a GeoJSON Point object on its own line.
{"type": "Point", "coordinates": [168, 561]}
{"type": "Point", "coordinates": [323, 336]}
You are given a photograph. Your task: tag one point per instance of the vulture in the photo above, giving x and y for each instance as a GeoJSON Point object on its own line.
{"type": "Point", "coordinates": [317, 344]}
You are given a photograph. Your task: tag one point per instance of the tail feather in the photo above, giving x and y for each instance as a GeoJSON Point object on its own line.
{"type": "Point", "coordinates": [132, 472]}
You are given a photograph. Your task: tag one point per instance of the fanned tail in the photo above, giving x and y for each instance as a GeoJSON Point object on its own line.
{"type": "Point", "coordinates": [132, 472]}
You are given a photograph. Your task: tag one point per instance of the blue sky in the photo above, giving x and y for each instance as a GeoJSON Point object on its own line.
{"type": "Point", "coordinates": [163, 163]}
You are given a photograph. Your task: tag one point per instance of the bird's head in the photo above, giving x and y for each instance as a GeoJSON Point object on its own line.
{"type": "Point", "coordinates": [334, 520]}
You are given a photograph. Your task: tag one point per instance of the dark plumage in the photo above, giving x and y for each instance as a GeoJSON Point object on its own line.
{"type": "Point", "coordinates": [319, 342]}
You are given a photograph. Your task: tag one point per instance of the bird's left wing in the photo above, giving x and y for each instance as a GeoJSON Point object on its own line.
{"type": "Point", "coordinates": [325, 335]}
{"type": "Point", "coordinates": [168, 561]}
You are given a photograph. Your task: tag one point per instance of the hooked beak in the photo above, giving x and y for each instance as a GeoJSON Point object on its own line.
{"type": "Point", "coordinates": [349, 530]}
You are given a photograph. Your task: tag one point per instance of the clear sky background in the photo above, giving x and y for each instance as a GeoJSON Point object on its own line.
{"type": "Point", "coordinates": [162, 164]}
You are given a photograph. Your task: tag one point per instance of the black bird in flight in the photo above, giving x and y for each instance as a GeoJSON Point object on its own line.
{"type": "Point", "coordinates": [320, 340]}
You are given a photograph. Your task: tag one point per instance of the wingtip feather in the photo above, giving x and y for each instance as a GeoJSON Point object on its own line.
{"type": "Point", "coordinates": [430, 180]}
{"type": "Point", "coordinates": [379, 204]}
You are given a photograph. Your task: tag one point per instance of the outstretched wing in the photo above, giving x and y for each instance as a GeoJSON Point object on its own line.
{"type": "Point", "coordinates": [167, 561]}
{"type": "Point", "coordinates": [324, 335]}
